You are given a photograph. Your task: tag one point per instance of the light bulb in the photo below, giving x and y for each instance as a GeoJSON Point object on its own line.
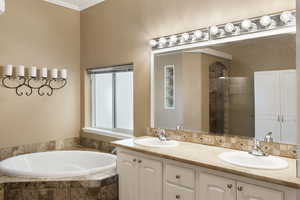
{"type": "Point", "coordinates": [162, 41]}
{"type": "Point", "coordinates": [229, 28]}
{"type": "Point", "coordinates": [265, 21]}
{"type": "Point", "coordinates": [214, 30]}
{"type": "Point", "coordinates": [173, 39]}
{"type": "Point", "coordinates": [153, 43]}
{"type": "Point", "coordinates": [185, 37]}
{"type": "Point", "coordinates": [246, 24]}
{"type": "Point", "coordinates": [286, 17]}
{"type": "Point", "coordinates": [198, 34]}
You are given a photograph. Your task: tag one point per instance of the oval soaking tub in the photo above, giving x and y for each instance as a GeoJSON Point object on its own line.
{"type": "Point", "coordinates": [58, 164]}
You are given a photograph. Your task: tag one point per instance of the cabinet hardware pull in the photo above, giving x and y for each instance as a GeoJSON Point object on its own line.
{"type": "Point", "coordinates": [229, 186]}
{"type": "Point", "coordinates": [177, 196]}
{"type": "Point", "coordinates": [139, 161]}
{"type": "Point", "coordinates": [134, 160]}
{"type": "Point", "coordinates": [240, 188]}
{"type": "Point", "coordinates": [177, 176]}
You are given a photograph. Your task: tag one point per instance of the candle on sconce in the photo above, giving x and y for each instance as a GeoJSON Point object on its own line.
{"type": "Point", "coordinates": [21, 70]}
{"type": "Point", "coordinates": [63, 73]}
{"type": "Point", "coordinates": [8, 70]}
{"type": "Point", "coordinates": [54, 73]}
{"type": "Point", "coordinates": [44, 72]}
{"type": "Point", "coordinates": [33, 71]}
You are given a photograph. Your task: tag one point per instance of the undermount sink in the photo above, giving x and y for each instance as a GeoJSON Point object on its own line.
{"type": "Point", "coordinates": [155, 142]}
{"type": "Point", "coordinates": [244, 159]}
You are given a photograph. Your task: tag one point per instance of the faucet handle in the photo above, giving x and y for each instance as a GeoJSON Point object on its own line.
{"type": "Point", "coordinates": [268, 137]}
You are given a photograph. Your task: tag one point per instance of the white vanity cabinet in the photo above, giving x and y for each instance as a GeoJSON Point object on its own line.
{"type": "Point", "coordinates": [139, 178]}
{"type": "Point", "coordinates": [143, 177]}
{"type": "Point", "coordinates": [216, 188]}
{"type": "Point", "coordinates": [253, 192]}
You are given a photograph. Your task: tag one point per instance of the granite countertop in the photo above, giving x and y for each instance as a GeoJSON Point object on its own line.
{"type": "Point", "coordinates": [207, 156]}
{"type": "Point", "coordinates": [92, 177]}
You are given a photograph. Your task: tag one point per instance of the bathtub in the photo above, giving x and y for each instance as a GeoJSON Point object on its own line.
{"type": "Point", "coordinates": [58, 164]}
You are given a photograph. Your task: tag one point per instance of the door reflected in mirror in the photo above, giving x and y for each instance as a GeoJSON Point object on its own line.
{"type": "Point", "coordinates": [245, 88]}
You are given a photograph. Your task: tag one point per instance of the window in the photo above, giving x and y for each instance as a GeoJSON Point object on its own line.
{"type": "Point", "coordinates": [112, 98]}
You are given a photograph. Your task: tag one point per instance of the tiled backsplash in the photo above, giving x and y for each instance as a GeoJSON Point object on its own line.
{"type": "Point", "coordinates": [231, 142]}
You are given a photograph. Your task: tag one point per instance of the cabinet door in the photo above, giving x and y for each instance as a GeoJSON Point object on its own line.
{"type": "Point", "coordinates": [252, 192]}
{"type": "Point", "coordinates": [150, 179]}
{"type": "Point", "coordinates": [216, 188]}
{"type": "Point", "coordinates": [288, 97]}
{"type": "Point", "coordinates": [267, 104]}
{"type": "Point", "coordinates": [128, 176]}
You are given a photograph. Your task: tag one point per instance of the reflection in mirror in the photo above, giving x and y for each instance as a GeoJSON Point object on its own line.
{"type": "Point", "coordinates": [245, 88]}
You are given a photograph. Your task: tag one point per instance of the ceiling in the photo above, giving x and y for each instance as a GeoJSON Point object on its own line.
{"type": "Point", "coordinates": [78, 5]}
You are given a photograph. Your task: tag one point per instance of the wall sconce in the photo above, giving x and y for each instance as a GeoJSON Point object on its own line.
{"type": "Point", "coordinates": [23, 84]}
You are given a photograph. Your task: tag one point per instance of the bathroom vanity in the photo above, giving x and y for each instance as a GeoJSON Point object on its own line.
{"type": "Point", "coordinates": [195, 172]}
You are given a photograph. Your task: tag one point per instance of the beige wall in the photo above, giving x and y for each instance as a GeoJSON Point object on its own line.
{"type": "Point", "coordinates": [118, 31]}
{"type": "Point", "coordinates": [39, 33]}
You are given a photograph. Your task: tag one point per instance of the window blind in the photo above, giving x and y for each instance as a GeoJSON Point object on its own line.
{"type": "Point", "coordinates": [111, 69]}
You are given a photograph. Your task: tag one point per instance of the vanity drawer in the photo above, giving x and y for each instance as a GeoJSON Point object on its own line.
{"type": "Point", "coordinates": [179, 193]}
{"type": "Point", "coordinates": [180, 175]}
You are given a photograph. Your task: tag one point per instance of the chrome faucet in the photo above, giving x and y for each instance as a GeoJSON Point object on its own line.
{"type": "Point", "coordinates": [161, 133]}
{"type": "Point", "coordinates": [257, 149]}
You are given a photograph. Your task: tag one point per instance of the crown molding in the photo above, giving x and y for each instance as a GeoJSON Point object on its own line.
{"type": "Point", "coordinates": [80, 7]}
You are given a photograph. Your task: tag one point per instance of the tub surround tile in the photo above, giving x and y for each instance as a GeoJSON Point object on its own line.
{"type": "Point", "coordinates": [228, 141]}
{"type": "Point", "coordinates": [207, 156]}
{"type": "Point", "coordinates": [96, 144]}
{"type": "Point", "coordinates": [39, 147]}
{"type": "Point", "coordinates": [105, 189]}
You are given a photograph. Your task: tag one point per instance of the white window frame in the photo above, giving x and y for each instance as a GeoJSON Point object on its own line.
{"type": "Point", "coordinates": [111, 132]}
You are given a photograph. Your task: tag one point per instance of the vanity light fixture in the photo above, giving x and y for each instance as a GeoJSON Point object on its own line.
{"type": "Point", "coordinates": [184, 37]}
{"type": "Point", "coordinates": [248, 25]}
{"type": "Point", "coordinates": [267, 22]}
{"type": "Point", "coordinates": [173, 40]}
{"type": "Point", "coordinates": [232, 29]}
{"type": "Point", "coordinates": [162, 42]}
{"type": "Point", "coordinates": [216, 32]}
{"type": "Point", "coordinates": [197, 35]}
{"type": "Point", "coordinates": [287, 17]}
{"type": "Point", "coordinates": [25, 84]}
{"type": "Point", "coordinates": [153, 43]}
{"type": "Point", "coordinates": [256, 24]}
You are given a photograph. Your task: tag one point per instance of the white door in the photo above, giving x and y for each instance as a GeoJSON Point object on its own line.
{"type": "Point", "coordinates": [216, 188]}
{"type": "Point", "coordinates": [252, 192]}
{"type": "Point", "coordinates": [288, 98]}
{"type": "Point", "coordinates": [128, 176]}
{"type": "Point", "coordinates": [150, 179]}
{"type": "Point", "coordinates": [267, 104]}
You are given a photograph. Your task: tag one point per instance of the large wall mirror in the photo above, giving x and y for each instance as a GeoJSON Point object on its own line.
{"type": "Point", "coordinates": [245, 88]}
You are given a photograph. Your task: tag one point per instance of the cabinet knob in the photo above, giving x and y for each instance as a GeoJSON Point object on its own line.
{"type": "Point", "coordinates": [139, 161]}
{"type": "Point", "coordinates": [177, 196]}
{"type": "Point", "coordinates": [229, 186]}
{"type": "Point", "coordinates": [134, 160]}
{"type": "Point", "coordinates": [240, 188]}
{"type": "Point", "coordinates": [177, 176]}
